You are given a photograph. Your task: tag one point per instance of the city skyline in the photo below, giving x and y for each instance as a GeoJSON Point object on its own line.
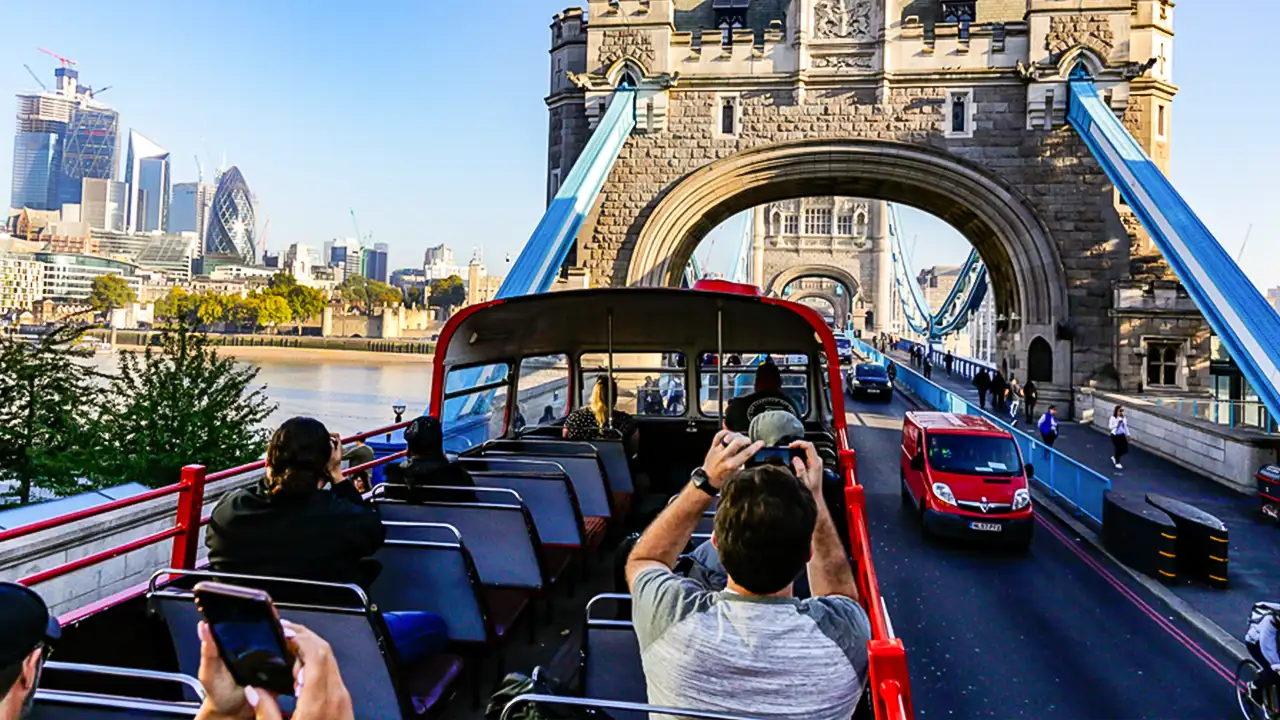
{"type": "Point", "coordinates": [307, 138]}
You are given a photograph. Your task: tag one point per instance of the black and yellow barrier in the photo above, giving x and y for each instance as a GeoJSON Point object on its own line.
{"type": "Point", "coordinates": [1202, 541]}
{"type": "Point", "coordinates": [1140, 535]}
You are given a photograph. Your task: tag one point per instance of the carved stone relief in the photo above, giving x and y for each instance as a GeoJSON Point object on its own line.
{"type": "Point", "coordinates": [842, 20]}
{"type": "Point", "coordinates": [621, 44]}
{"type": "Point", "coordinates": [860, 63]}
{"type": "Point", "coordinates": [1091, 31]}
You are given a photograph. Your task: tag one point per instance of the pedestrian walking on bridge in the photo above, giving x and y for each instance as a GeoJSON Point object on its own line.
{"type": "Point", "coordinates": [982, 381]}
{"type": "Point", "coordinates": [1119, 436]}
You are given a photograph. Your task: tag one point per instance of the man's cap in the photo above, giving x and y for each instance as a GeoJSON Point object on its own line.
{"type": "Point", "coordinates": [25, 622]}
{"type": "Point", "coordinates": [776, 428]}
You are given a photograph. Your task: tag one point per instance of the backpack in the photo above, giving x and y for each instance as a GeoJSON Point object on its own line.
{"type": "Point", "coordinates": [517, 684]}
{"type": "Point", "coordinates": [1260, 614]}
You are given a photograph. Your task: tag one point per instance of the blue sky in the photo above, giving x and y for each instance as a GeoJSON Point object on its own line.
{"type": "Point", "coordinates": [427, 116]}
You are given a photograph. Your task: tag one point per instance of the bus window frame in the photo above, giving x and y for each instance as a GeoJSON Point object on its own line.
{"type": "Point", "coordinates": [580, 377]}
{"type": "Point", "coordinates": [808, 369]}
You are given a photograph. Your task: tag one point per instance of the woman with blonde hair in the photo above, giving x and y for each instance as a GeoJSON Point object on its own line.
{"type": "Point", "coordinates": [599, 415]}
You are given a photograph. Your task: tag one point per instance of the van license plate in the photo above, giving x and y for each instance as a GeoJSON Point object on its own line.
{"type": "Point", "coordinates": [986, 527]}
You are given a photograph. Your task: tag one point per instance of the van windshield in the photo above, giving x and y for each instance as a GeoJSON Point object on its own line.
{"type": "Point", "coordinates": [973, 454]}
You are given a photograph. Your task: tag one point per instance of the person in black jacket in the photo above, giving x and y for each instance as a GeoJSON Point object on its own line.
{"type": "Point", "coordinates": [426, 464]}
{"type": "Point", "coordinates": [982, 381]}
{"type": "Point", "coordinates": [304, 521]}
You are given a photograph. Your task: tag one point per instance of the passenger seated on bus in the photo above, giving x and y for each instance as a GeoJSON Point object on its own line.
{"type": "Point", "coordinates": [305, 521]}
{"type": "Point", "coordinates": [426, 464]}
{"type": "Point", "coordinates": [785, 658]}
{"type": "Point", "coordinates": [321, 694]}
{"type": "Point", "coordinates": [27, 631]}
{"type": "Point", "coordinates": [768, 395]}
{"type": "Point", "coordinates": [775, 429]}
{"type": "Point", "coordinates": [587, 423]}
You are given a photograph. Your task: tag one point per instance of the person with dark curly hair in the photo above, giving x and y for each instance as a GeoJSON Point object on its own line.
{"type": "Point", "coordinates": [305, 521]}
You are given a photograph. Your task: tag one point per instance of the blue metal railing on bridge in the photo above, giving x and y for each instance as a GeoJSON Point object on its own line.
{"type": "Point", "coordinates": [1062, 476]}
{"type": "Point", "coordinates": [1248, 326]}
{"type": "Point", "coordinates": [965, 367]}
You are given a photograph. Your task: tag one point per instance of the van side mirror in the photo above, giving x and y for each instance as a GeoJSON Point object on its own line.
{"type": "Point", "coordinates": [917, 462]}
{"type": "Point", "coordinates": [1030, 470]}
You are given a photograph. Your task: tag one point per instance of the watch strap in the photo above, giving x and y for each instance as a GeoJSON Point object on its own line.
{"type": "Point", "coordinates": [702, 481]}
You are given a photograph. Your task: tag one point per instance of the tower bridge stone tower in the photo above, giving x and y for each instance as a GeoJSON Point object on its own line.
{"type": "Point", "coordinates": [956, 107]}
{"type": "Point", "coordinates": [840, 241]}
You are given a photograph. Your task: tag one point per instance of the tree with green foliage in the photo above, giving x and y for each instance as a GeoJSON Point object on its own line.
{"type": "Point", "coordinates": [382, 294]}
{"type": "Point", "coordinates": [49, 403]}
{"type": "Point", "coordinates": [415, 296]}
{"type": "Point", "coordinates": [213, 308]}
{"type": "Point", "coordinates": [177, 304]}
{"type": "Point", "coordinates": [354, 290]}
{"type": "Point", "coordinates": [179, 404]}
{"type": "Point", "coordinates": [109, 292]}
{"type": "Point", "coordinates": [448, 293]}
{"type": "Point", "coordinates": [304, 302]}
{"type": "Point", "coordinates": [368, 294]}
{"type": "Point", "coordinates": [273, 310]}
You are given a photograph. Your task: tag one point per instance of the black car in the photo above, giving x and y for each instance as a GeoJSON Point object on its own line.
{"type": "Point", "coordinates": [869, 380]}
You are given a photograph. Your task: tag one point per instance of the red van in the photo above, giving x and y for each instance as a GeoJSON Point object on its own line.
{"type": "Point", "coordinates": [965, 477]}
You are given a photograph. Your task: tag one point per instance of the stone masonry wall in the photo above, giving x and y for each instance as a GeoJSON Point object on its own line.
{"type": "Point", "coordinates": [1051, 169]}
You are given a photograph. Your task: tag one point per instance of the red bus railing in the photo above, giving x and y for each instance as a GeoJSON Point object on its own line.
{"type": "Point", "coordinates": [185, 532]}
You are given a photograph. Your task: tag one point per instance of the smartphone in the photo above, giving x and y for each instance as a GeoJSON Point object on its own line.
{"type": "Point", "coordinates": [246, 629]}
{"type": "Point", "coordinates": [776, 456]}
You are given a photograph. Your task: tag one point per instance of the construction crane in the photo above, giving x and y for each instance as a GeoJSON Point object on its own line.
{"type": "Point", "coordinates": [66, 61]}
{"type": "Point", "coordinates": [359, 239]}
{"type": "Point", "coordinates": [94, 93]}
{"type": "Point", "coordinates": [36, 77]}
{"type": "Point", "coordinates": [199, 170]}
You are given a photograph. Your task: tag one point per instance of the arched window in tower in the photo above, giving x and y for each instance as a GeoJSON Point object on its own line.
{"type": "Point", "coordinates": [959, 112]}
{"type": "Point", "coordinates": [729, 116]}
{"type": "Point", "coordinates": [860, 223]}
{"type": "Point", "coordinates": [1040, 361]}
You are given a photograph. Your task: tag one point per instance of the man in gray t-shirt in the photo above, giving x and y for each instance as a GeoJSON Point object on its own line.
{"type": "Point", "coordinates": [751, 649]}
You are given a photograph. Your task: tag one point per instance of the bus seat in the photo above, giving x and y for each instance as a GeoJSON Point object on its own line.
{"type": "Point", "coordinates": [440, 577]}
{"type": "Point", "coordinates": [58, 705]}
{"type": "Point", "coordinates": [580, 461]}
{"type": "Point", "coordinates": [544, 489]}
{"type": "Point", "coordinates": [501, 537]}
{"type": "Point", "coordinates": [614, 458]}
{"type": "Point", "coordinates": [55, 703]}
{"type": "Point", "coordinates": [356, 633]}
{"type": "Point", "coordinates": [611, 666]}
{"type": "Point", "coordinates": [706, 524]}
{"type": "Point", "coordinates": [614, 708]}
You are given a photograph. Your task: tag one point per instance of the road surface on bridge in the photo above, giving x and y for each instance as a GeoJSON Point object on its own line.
{"type": "Point", "coordinates": [1058, 632]}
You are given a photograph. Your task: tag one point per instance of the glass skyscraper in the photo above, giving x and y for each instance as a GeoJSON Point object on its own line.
{"type": "Point", "coordinates": [189, 207]}
{"type": "Point", "coordinates": [232, 223]}
{"type": "Point", "coordinates": [375, 262]}
{"type": "Point", "coordinates": [89, 148]}
{"type": "Point", "coordinates": [35, 165]}
{"type": "Point", "coordinates": [147, 175]}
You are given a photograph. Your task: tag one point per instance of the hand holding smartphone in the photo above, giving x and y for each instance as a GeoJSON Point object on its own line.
{"type": "Point", "coordinates": [246, 629]}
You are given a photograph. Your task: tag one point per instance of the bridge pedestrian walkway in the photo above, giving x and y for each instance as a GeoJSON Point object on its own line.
{"type": "Point", "coordinates": [1254, 540]}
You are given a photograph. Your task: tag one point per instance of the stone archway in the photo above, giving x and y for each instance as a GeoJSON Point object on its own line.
{"type": "Point", "coordinates": [1026, 270]}
{"type": "Point", "coordinates": [839, 306]}
{"type": "Point", "coordinates": [780, 281]}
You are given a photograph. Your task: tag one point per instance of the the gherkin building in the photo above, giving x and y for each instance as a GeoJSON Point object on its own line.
{"type": "Point", "coordinates": [231, 220]}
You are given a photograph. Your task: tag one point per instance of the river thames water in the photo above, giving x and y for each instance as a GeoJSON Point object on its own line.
{"type": "Point", "coordinates": [348, 391]}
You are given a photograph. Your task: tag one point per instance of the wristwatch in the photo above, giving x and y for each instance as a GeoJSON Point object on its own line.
{"type": "Point", "coordinates": [702, 481]}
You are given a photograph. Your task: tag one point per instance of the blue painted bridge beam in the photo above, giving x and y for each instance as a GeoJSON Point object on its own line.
{"type": "Point", "coordinates": [1233, 306]}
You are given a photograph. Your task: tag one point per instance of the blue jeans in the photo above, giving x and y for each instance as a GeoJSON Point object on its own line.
{"type": "Point", "coordinates": [416, 635]}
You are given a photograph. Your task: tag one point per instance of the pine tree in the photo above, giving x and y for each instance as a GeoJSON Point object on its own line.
{"type": "Point", "coordinates": [51, 401]}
